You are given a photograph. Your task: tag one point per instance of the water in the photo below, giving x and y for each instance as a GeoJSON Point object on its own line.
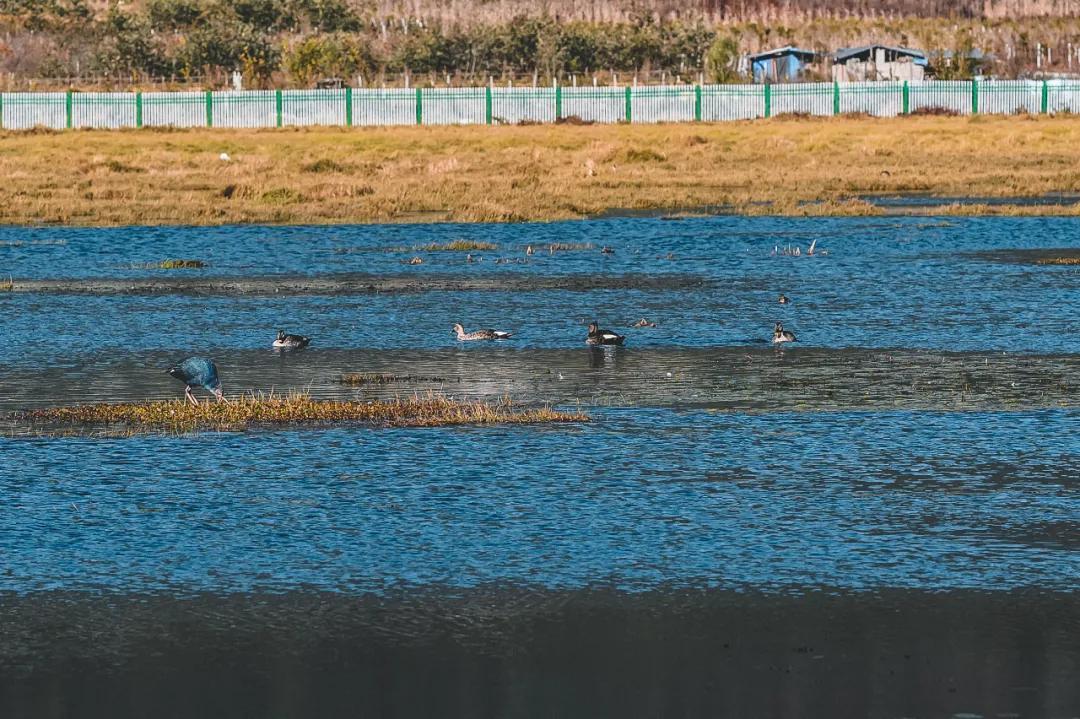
{"type": "Point", "coordinates": [919, 441]}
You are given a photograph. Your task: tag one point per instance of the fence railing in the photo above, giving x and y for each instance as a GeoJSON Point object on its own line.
{"type": "Point", "coordinates": [498, 105]}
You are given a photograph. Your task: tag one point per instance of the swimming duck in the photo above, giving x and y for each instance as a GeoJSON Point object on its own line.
{"type": "Point", "coordinates": [598, 336]}
{"type": "Point", "coordinates": [198, 372]}
{"type": "Point", "coordinates": [291, 342]}
{"type": "Point", "coordinates": [781, 335]}
{"type": "Point", "coordinates": [783, 299]}
{"type": "Point", "coordinates": [484, 334]}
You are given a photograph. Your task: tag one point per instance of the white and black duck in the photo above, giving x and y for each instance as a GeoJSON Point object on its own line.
{"type": "Point", "coordinates": [484, 334]}
{"type": "Point", "coordinates": [598, 336]}
{"type": "Point", "coordinates": [780, 335]}
{"type": "Point", "coordinates": [291, 342]}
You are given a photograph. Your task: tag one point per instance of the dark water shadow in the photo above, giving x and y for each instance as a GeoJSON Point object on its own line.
{"type": "Point", "coordinates": [495, 652]}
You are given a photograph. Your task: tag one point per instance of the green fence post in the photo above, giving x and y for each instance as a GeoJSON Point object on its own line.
{"type": "Point", "coordinates": [558, 102]}
{"type": "Point", "coordinates": [907, 98]}
{"type": "Point", "coordinates": [278, 101]}
{"type": "Point", "coordinates": [697, 103]}
{"type": "Point", "coordinates": [68, 102]}
{"type": "Point", "coordinates": [419, 108]}
{"type": "Point", "coordinates": [629, 105]}
{"type": "Point", "coordinates": [768, 100]}
{"type": "Point", "coordinates": [974, 97]}
{"type": "Point", "coordinates": [138, 109]}
{"type": "Point", "coordinates": [348, 107]}
{"type": "Point", "coordinates": [836, 98]}
{"type": "Point", "coordinates": [487, 104]}
{"type": "Point", "coordinates": [1045, 105]}
{"type": "Point", "coordinates": [209, 108]}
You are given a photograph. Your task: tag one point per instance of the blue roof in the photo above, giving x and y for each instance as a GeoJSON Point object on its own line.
{"type": "Point", "coordinates": [849, 52]}
{"type": "Point", "coordinates": [781, 51]}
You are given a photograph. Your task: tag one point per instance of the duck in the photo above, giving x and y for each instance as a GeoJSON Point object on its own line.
{"type": "Point", "coordinates": [598, 336]}
{"type": "Point", "coordinates": [291, 342]}
{"type": "Point", "coordinates": [198, 372]}
{"type": "Point", "coordinates": [484, 334]}
{"type": "Point", "coordinates": [780, 335]}
{"type": "Point", "coordinates": [783, 299]}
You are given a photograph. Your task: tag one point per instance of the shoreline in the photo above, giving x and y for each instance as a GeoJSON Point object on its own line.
{"type": "Point", "coordinates": [842, 166]}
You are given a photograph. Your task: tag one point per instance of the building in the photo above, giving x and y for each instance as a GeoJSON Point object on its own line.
{"type": "Point", "coordinates": [878, 62]}
{"type": "Point", "coordinates": [784, 64]}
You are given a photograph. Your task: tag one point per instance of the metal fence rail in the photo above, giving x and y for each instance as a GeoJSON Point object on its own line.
{"type": "Point", "coordinates": [497, 105]}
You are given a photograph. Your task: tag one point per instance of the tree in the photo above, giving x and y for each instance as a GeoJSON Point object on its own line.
{"type": "Point", "coordinates": [321, 56]}
{"type": "Point", "coordinates": [720, 61]}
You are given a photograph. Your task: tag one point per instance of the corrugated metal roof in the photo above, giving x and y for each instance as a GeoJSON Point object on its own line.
{"type": "Point", "coordinates": [849, 52]}
{"type": "Point", "coordinates": [786, 50]}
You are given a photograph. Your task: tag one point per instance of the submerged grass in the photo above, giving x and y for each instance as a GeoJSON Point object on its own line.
{"type": "Point", "coordinates": [362, 378]}
{"type": "Point", "coordinates": [180, 265]}
{"type": "Point", "coordinates": [179, 416]}
{"type": "Point", "coordinates": [538, 172]}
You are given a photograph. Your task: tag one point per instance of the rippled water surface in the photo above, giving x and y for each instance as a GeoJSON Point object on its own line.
{"type": "Point", "coordinates": [923, 435]}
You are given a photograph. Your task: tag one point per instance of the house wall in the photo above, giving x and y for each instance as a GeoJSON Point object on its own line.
{"type": "Point", "coordinates": [859, 71]}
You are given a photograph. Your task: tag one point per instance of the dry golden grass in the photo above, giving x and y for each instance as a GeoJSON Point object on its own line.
{"type": "Point", "coordinates": [179, 416]}
{"type": "Point", "coordinates": [541, 172]}
{"type": "Point", "coordinates": [1060, 261]}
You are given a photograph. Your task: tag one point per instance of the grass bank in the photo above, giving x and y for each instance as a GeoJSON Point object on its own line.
{"type": "Point", "coordinates": [544, 172]}
{"type": "Point", "coordinates": [179, 416]}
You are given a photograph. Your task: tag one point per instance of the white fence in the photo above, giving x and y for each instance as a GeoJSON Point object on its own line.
{"type": "Point", "coordinates": [497, 105]}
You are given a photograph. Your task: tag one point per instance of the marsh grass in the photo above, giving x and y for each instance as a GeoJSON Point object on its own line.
{"type": "Point", "coordinates": [430, 410]}
{"type": "Point", "coordinates": [570, 246]}
{"type": "Point", "coordinates": [510, 173]}
{"type": "Point", "coordinates": [362, 378]}
{"type": "Point", "coordinates": [457, 246]}
{"type": "Point", "coordinates": [325, 165]}
{"type": "Point", "coordinates": [1059, 261]}
{"type": "Point", "coordinates": [175, 264]}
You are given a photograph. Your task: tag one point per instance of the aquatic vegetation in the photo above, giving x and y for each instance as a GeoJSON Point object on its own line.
{"type": "Point", "coordinates": [362, 378]}
{"type": "Point", "coordinates": [430, 410]}
{"type": "Point", "coordinates": [175, 264]}
{"type": "Point", "coordinates": [1059, 261]}
{"type": "Point", "coordinates": [458, 246]}
{"type": "Point", "coordinates": [570, 246]}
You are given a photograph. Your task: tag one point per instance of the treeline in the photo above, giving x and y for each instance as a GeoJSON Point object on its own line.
{"type": "Point", "coordinates": [299, 42]}
{"type": "Point", "coordinates": [305, 40]}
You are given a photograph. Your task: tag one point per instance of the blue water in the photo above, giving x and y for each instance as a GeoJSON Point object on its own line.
{"type": "Point", "coordinates": [645, 495]}
{"type": "Point", "coordinates": [897, 282]}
